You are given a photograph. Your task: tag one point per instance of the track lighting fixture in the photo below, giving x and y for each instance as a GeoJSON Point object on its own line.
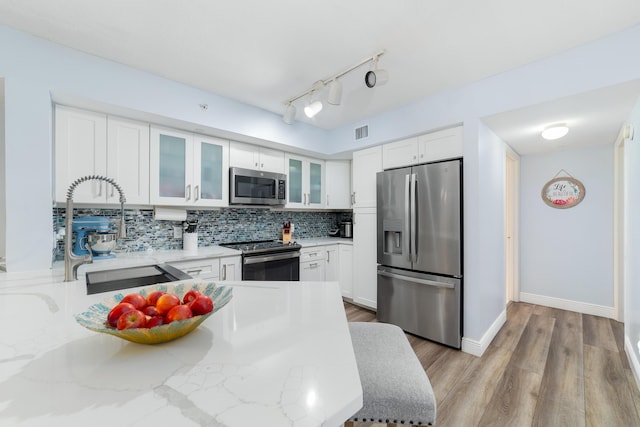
{"type": "Point", "coordinates": [335, 92]}
{"type": "Point", "coordinates": [375, 76]}
{"type": "Point", "coordinates": [289, 114]}
{"type": "Point", "coordinates": [314, 105]}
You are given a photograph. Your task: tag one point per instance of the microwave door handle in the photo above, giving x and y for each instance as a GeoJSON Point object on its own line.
{"type": "Point", "coordinates": [407, 217]}
{"type": "Point", "coordinates": [414, 220]}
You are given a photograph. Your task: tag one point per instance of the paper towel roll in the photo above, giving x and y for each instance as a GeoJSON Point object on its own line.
{"type": "Point", "coordinates": [169, 214]}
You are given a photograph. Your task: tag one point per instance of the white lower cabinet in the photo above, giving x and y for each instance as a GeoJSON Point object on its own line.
{"type": "Point", "coordinates": [345, 270]}
{"type": "Point", "coordinates": [230, 268]}
{"type": "Point", "coordinates": [330, 263]}
{"type": "Point", "coordinates": [220, 269]}
{"type": "Point", "coordinates": [312, 264]}
{"type": "Point", "coordinates": [207, 268]}
{"type": "Point", "coordinates": [365, 278]}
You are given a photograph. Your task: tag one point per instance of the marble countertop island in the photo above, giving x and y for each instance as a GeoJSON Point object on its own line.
{"type": "Point", "coordinates": [278, 354]}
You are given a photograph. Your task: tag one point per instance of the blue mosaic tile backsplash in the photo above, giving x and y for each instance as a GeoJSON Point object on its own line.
{"type": "Point", "coordinates": [215, 226]}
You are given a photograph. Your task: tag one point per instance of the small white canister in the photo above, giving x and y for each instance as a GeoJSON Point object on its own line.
{"type": "Point", "coordinates": [190, 242]}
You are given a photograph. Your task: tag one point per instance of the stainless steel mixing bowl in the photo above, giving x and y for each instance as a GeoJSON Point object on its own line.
{"type": "Point", "coordinates": [102, 242]}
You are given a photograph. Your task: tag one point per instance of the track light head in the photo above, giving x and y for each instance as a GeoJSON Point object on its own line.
{"type": "Point", "coordinates": [313, 108]}
{"type": "Point", "coordinates": [289, 114]}
{"type": "Point", "coordinates": [335, 92]}
{"type": "Point", "coordinates": [376, 77]}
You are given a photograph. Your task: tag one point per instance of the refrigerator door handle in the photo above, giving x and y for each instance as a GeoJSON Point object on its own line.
{"type": "Point", "coordinates": [416, 280]}
{"type": "Point", "coordinates": [414, 232]}
{"type": "Point", "coordinates": [407, 217]}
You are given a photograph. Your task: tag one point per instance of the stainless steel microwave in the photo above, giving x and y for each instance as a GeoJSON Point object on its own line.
{"type": "Point", "coordinates": [252, 187]}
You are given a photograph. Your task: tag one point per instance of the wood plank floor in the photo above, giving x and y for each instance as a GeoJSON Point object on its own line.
{"type": "Point", "coordinates": [546, 367]}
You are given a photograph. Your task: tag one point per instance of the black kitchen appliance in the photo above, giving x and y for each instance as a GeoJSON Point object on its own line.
{"type": "Point", "coordinates": [269, 260]}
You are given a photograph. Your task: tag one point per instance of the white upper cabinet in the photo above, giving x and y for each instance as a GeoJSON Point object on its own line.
{"type": "Point", "coordinates": [440, 145]}
{"type": "Point", "coordinates": [187, 169]}
{"type": "Point", "coordinates": [400, 153]}
{"type": "Point", "coordinates": [444, 144]}
{"type": "Point", "coordinates": [249, 156]}
{"type": "Point", "coordinates": [366, 163]}
{"type": "Point", "coordinates": [338, 184]}
{"type": "Point", "coordinates": [88, 143]}
{"type": "Point", "coordinates": [80, 150]}
{"type": "Point", "coordinates": [305, 182]}
{"type": "Point", "coordinates": [128, 160]}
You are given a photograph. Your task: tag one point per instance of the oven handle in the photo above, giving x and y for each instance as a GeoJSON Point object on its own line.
{"type": "Point", "coordinates": [267, 258]}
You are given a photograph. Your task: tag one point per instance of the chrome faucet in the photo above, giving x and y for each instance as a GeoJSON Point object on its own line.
{"type": "Point", "coordinates": [71, 260]}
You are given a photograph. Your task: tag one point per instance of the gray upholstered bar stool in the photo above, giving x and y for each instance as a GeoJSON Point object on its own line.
{"type": "Point", "coordinates": [395, 387]}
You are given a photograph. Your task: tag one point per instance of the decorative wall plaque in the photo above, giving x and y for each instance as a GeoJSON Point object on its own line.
{"type": "Point", "coordinates": [563, 192]}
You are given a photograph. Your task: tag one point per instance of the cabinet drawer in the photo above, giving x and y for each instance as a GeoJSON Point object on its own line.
{"type": "Point", "coordinates": [200, 269]}
{"type": "Point", "coordinates": [312, 254]}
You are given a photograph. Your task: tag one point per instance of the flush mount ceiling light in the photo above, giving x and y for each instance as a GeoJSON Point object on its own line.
{"type": "Point", "coordinates": [334, 97]}
{"type": "Point", "coordinates": [555, 131]}
{"type": "Point", "coordinates": [375, 76]}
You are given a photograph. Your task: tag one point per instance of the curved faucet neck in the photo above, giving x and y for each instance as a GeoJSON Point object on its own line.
{"type": "Point", "coordinates": [71, 260]}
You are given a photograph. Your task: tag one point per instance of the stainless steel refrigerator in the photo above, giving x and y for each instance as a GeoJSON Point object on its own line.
{"type": "Point", "coordinates": [419, 215]}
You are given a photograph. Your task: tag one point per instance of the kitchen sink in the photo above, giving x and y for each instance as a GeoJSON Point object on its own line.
{"type": "Point", "coordinates": [132, 277]}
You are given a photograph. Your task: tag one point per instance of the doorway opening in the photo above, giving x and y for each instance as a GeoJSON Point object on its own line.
{"type": "Point", "coordinates": [619, 224]}
{"type": "Point", "coordinates": [512, 180]}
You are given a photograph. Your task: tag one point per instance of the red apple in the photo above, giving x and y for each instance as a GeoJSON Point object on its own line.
{"type": "Point", "coordinates": [155, 321]}
{"type": "Point", "coordinates": [190, 296]}
{"type": "Point", "coordinates": [117, 311]}
{"type": "Point", "coordinates": [137, 300]}
{"type": "Point", "coordinates": [150, 310]}
{"type": "Point", "coordinates": [179, 312]}
{"type": "Point", "coordinates": [166, 302]}
{"type": "Point", "coordinates": [132, 319]}
{"type": "Point", "coordinates": [152, 298]}
{"type": "Point", "coordinates": [201, 305]}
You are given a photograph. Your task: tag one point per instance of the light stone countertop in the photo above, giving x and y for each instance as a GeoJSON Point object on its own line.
{"type": "Point", "coordinates": [278, 354]}
{"type": "Point", "coordinates": [323, 241]}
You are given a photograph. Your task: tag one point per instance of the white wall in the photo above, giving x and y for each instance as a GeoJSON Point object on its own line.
{"type": "Point", "coordinates": [34, 69]}
{"type": "Point", "coordinates": [568, 253]}
{"type": "Point", "coordinates": [3, 224]}
{"type": "Point", "coordinates": [484, 285]}
{"type": "Point", "coordinates": [632, 243]}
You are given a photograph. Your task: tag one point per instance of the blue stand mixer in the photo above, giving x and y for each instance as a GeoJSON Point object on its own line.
{"type": "Point", "coordinates": [82, 226]}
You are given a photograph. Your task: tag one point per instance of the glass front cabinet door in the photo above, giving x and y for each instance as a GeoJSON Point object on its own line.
{"type": "Point", "coordinates": [187, 169]}
{"type": "Point", "coordinates": [305, 181]}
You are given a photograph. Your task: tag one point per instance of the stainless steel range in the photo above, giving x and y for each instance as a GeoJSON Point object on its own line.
{"type": "Point", "coordinates": [269, 260]}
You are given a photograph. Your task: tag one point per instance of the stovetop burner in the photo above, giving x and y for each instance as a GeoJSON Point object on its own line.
{"type": "Point", "coordinates": [262, 246]}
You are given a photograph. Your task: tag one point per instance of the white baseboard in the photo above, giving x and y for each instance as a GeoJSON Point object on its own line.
{"type": "Point", "coordinates": [477, 348]}
{"type": "Point", "coordinates": [633, 359]}
{"type": "Point", "coordinates": [564, 304]}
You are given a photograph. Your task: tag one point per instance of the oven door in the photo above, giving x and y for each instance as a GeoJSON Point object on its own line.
{"type": "Point", "coordinates": [283, 266]}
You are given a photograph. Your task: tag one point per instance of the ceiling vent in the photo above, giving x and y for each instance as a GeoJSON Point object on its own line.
{"type": "Point", "coordinates": [362, 132]}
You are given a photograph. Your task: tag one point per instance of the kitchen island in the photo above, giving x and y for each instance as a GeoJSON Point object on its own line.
{"type": "Point", "coordinates": [278, 354]}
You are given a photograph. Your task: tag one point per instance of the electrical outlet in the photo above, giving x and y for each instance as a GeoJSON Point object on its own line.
{"type": "Point", "coordinates": [177, 232]}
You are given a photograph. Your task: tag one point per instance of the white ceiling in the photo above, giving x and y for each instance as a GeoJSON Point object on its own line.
{"type": "Point", "coordinates": [593, 118]}
{"type": "Point", "coordinates": [265, 52]}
